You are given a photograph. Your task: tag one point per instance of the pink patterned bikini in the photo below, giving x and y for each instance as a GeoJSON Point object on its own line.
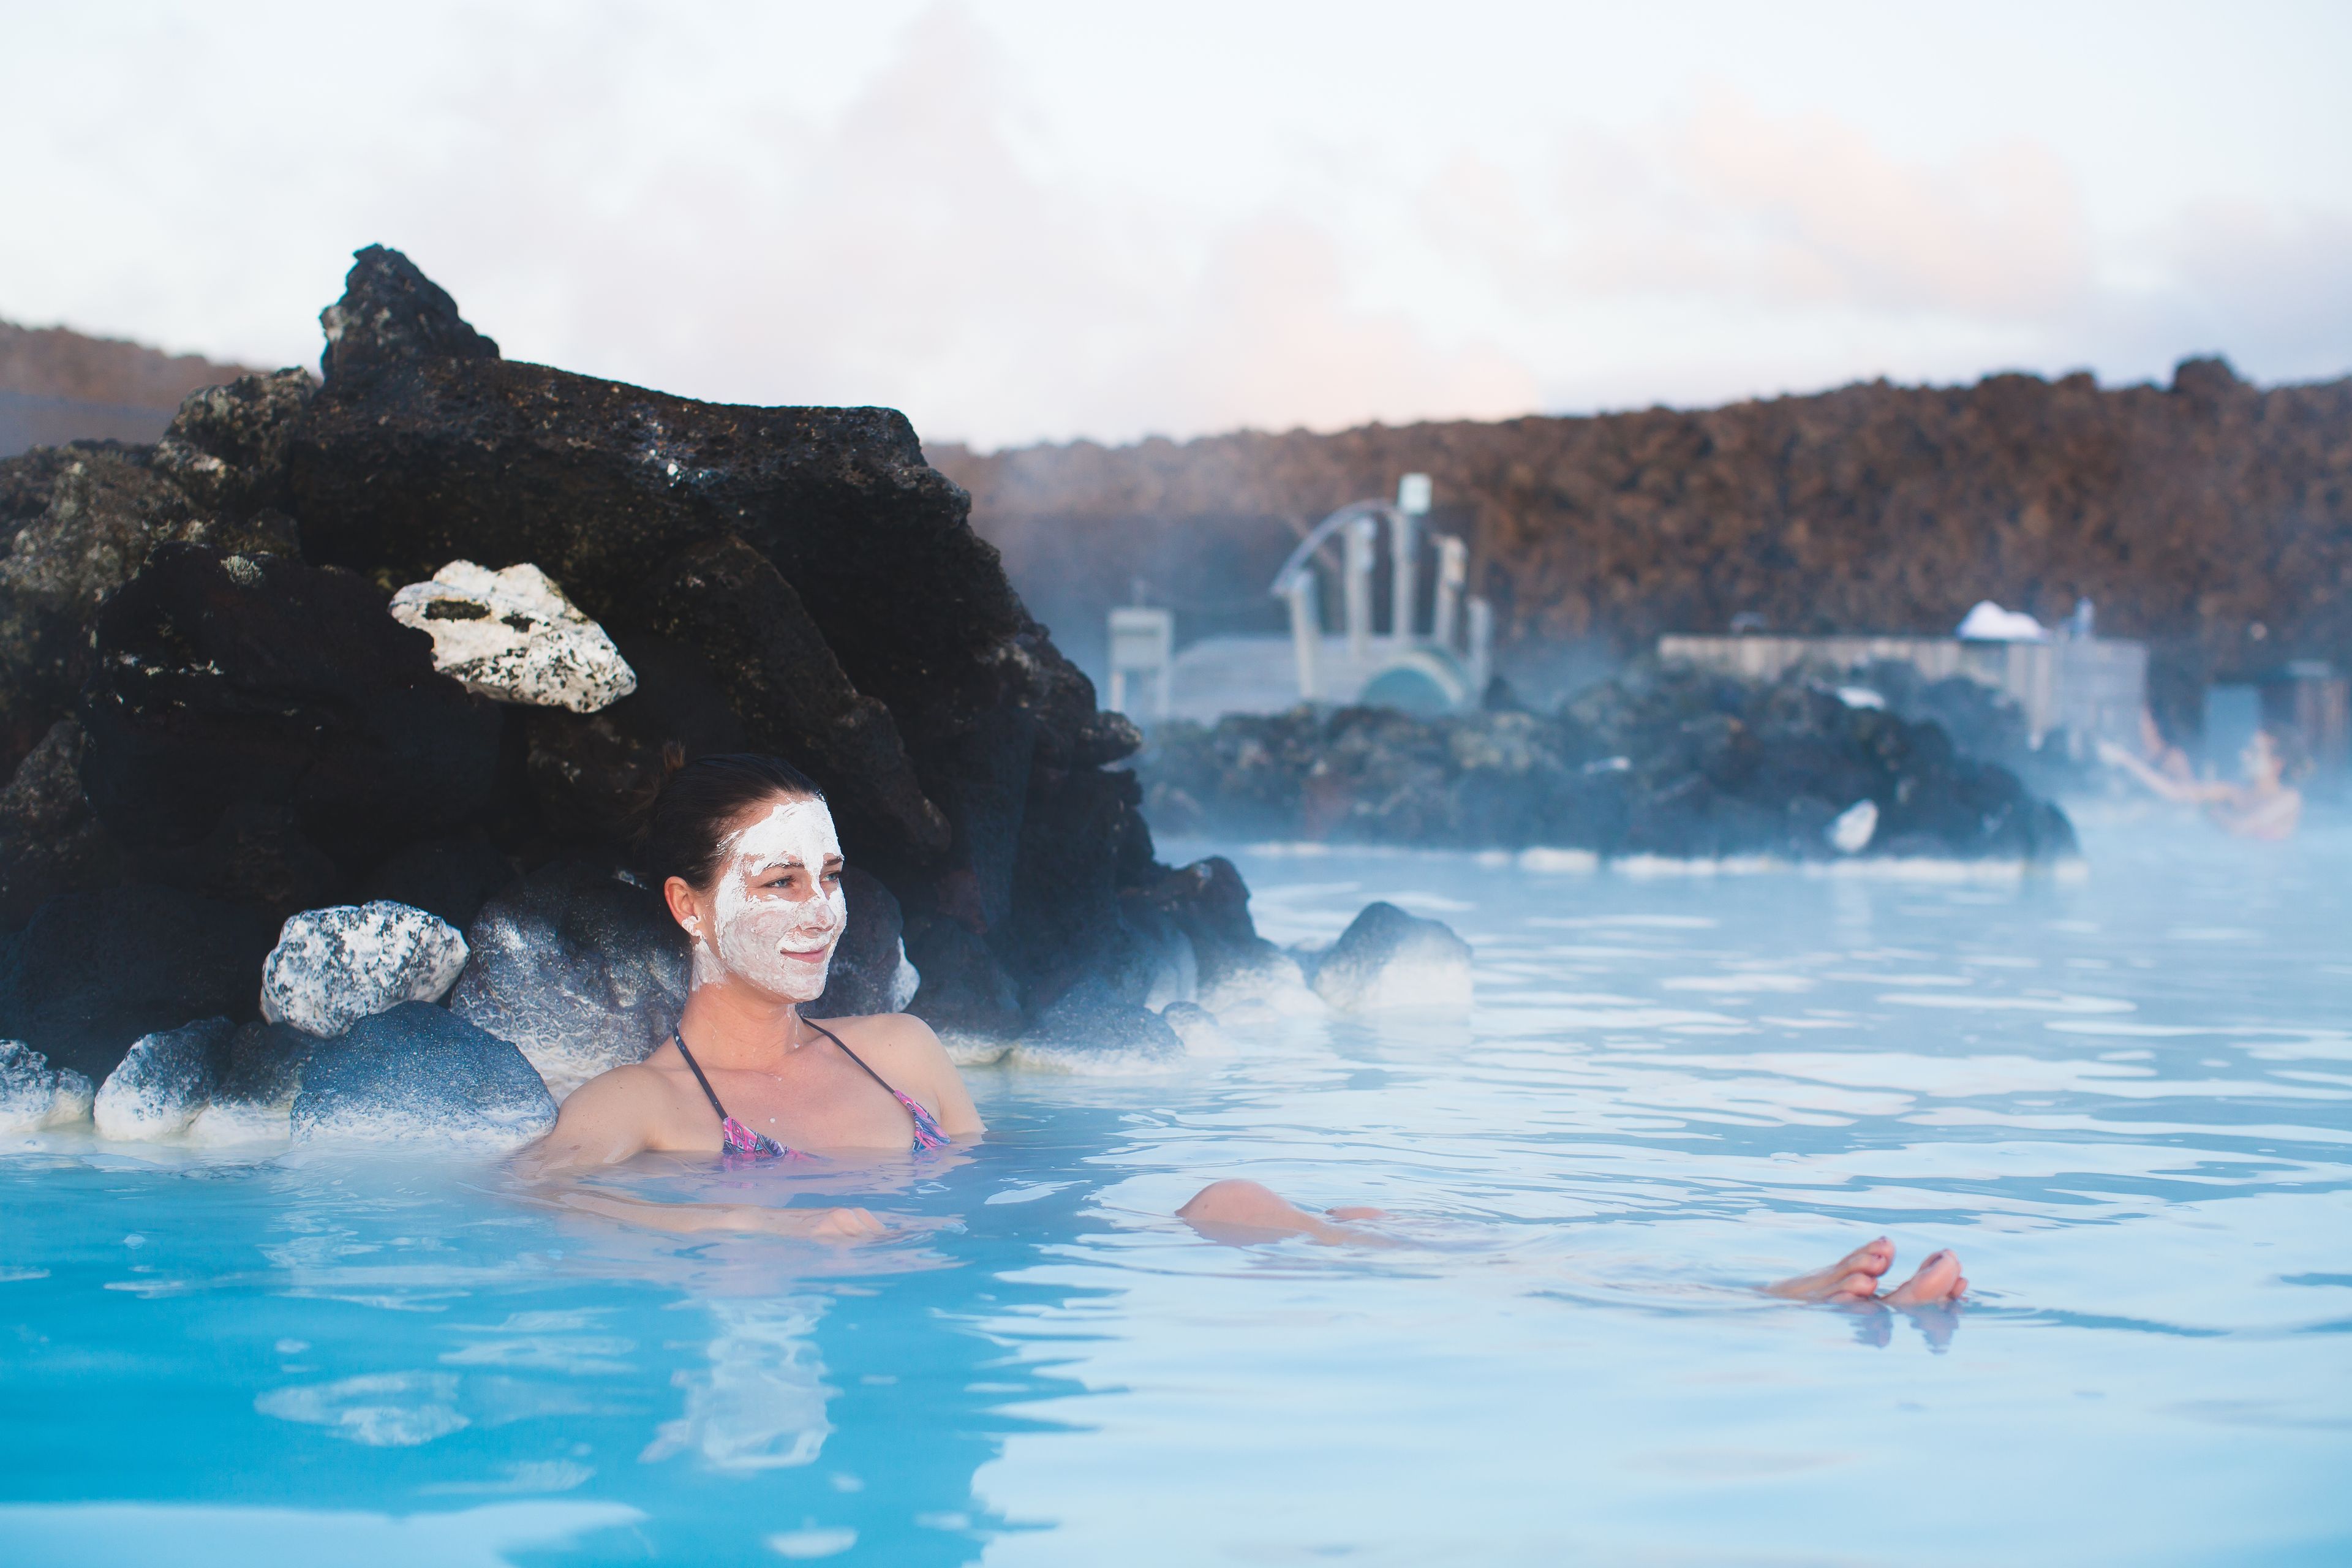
{"type": "Point", "coordinates": [743, 1143]}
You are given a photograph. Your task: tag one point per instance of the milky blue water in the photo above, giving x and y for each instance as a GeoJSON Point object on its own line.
{"type": "Point", "coordinates": [2127, 1102]}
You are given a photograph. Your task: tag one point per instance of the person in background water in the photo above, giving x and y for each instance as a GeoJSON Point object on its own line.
{"type": "Point", "coordinates": [2265, 807]}
{"type": "Point", "coordinates": [2157, 750]}
{"type": "Point", "coordinates": [752, 870]}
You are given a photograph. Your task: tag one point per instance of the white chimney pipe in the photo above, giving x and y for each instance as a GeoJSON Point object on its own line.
{"type": "Point", "coordinates": [1362, 534]}
{"type": "Point", "coordinates": [1453, 574]}
{"type": "Point", "coordinates": [1482, 645]}
{"type": "Point", "coordinates": [1306, 628]}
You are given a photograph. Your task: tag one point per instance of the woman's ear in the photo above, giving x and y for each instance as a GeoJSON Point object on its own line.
{"type": "Point", "coordinates": [679, 895]}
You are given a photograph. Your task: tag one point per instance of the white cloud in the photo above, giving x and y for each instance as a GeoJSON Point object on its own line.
{"type": "Point", "coordinates": [1032, 221]}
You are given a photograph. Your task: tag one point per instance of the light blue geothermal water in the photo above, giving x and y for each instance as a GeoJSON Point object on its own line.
{"type": "Point", "coordinates": [2126, 1102]}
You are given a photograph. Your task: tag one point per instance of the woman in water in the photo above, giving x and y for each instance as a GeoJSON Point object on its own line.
{"type": "Point", "coordinates": [2265, 806]}
{"type": "Point", "coordinates": [750, 869]}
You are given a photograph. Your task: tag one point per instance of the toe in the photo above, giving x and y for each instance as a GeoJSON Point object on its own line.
{"type": "Point", "coordinates": [1938, 1279]}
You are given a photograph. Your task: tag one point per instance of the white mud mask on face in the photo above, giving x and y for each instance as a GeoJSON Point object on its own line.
{"type": "Point", "coordinates": [780, 943]}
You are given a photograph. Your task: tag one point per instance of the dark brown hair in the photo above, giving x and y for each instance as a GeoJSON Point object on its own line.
{"type": "Point", "coordinates": [701, 799]}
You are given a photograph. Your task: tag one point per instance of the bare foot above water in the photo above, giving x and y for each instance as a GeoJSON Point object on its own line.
{"type": "Point", "coordinates": [1857, 1276]}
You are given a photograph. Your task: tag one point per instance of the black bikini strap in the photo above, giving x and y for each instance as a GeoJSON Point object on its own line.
{"type": "Point", "coordinates": [709, 1093]}
{"type": "Point", "coordinates": [852, 1056]}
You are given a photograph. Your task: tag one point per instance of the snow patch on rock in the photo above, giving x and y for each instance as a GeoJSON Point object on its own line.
{"type": "Point", "coordinates": [513, 635]}
{"type": "Point", "coordinates": [332, 967]}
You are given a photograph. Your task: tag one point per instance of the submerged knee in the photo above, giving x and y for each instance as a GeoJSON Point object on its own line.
{"type": "Point", "coordinates": [1235, 1202]}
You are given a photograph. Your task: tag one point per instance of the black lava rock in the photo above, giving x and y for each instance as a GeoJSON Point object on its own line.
{"type": "Point", "coordinates": [728, 600]}
{"type": "Point", "coordinates": [965, 994]}
{"type": "Point", "coordinates": [1388, 959]}
{"type": "Point", "coordinates": [580, 964]}
{"type": "Point", "coordinates": [1090, 1027]}
{"type": "Point", "coordinates": [256, 682]}
{"type": "Point", "coordinates": [592, 775]}
{"type": "Point", "coordinates": [78, 520]}
{"type": "Point", "coordinates": [419, 1074]}
{"type": "Point", "coordinates": [49, 841]}
{"type": "Point", "coordinates": [227, 450]}
{"type": "Point", "coordinates": [1662, 761]}
{"type": "Point", "coordinates": [871, 957]}
{"type": "Point", "coordinates": [164, 1082]}
{"type": "Point", "coordinates": [94, 971]}
{"type": "Point", "coordinates": [264, 1064]}
{"type": "Point", "coordinates": [452, 877]}
{"type": "Point", "coordinates": [391, 315]}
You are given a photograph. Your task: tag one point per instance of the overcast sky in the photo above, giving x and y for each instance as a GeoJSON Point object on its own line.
{"type": "Point", "coordinates": [1026, 219]}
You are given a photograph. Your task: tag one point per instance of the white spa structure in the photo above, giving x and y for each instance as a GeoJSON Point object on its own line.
{"type": "Point", "coordinates": [1436, 665]}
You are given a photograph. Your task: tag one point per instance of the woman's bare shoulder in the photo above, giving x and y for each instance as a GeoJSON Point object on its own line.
{"type": "Point", "coordinates": [630, 1083]}
{"type": "Point", "coordinates": [885, 1032]}
{"type": "Point", "coordinates": [903, 1049]}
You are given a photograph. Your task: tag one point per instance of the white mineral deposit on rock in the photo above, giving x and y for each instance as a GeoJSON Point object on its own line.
{"type": "Point", "coordinates": [513, 635]}
{"type": "Point", "coordinates": [905, 981]}
{"type": "Point", "coordinates": [164, 1082]}
{"type": "Point", "coordinates": [332, 967]}
{"type": "Point", "coordinates": [1388, 960]}
{"type": "Point", "coordinates": [1854, 827]}
{"type": "Point", "coordinates": [33, 1095]}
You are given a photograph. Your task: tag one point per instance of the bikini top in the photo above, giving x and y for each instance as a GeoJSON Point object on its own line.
{"type": "Point", "coordinates": [743, 1143]}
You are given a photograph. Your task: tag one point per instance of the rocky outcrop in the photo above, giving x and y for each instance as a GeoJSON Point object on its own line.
{"type": "Point", "coordinates": [420, 1074]}
{"type": "Point", "coordinates": [2208, 515]}
{"type": "Point", "coordinates": [249, 720]}
{"type": "Point", "coordinates": [332, 967]}
{"type": "Point", "coordinates": [1665, 761]}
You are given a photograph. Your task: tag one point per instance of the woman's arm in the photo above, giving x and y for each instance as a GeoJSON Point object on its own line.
{"type": "Point", "coordinates": [2181, 792]}
{"type": "Point", "coordinates": [611, 1118]}
{"type": "Point", "coordinates": [692, 1219]}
